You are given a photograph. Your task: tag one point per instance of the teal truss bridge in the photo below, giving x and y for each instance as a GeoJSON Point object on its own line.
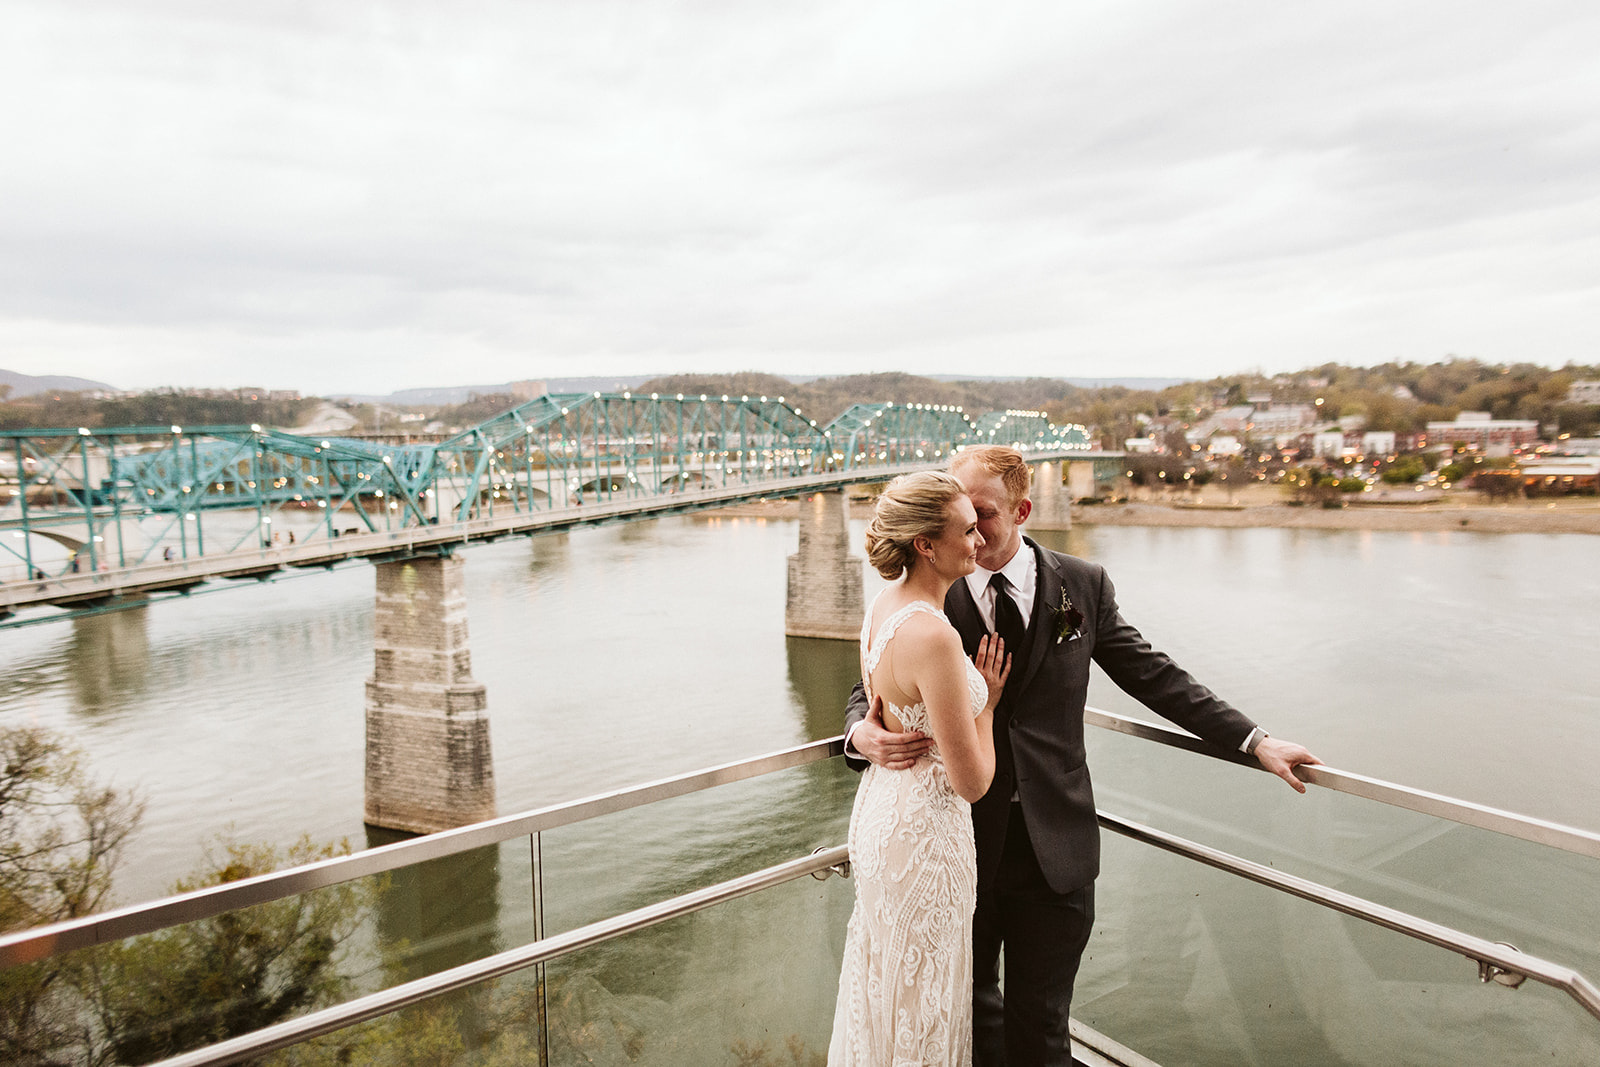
{"type": "Point", "coordinates": [89, 514]}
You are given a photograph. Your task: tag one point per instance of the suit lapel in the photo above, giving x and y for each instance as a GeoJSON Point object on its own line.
{"type": "Point", "coordinates": [962, 612]}
{"type": "Point", "coordinates": [1046, 595]}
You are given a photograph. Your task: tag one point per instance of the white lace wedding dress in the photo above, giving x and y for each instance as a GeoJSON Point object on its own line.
{"type": "Point", "coordinates": [905, 989]}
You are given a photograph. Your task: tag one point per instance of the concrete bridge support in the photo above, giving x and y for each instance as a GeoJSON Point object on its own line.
{"type": "Point", "coordinates": [1052, 501]}
{"type": "Point", "coordinates": [428, 762]}
{"type": "Point", "coordinates": [824, 578]}
{"type": "Point", "coordinates": [1081, 478]}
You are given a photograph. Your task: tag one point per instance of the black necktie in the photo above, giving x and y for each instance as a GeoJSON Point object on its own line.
{"type": "Point", "coordinates": [1007, 618]}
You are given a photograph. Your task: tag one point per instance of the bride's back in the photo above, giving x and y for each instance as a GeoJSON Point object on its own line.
{"type": "Point", "coordinates": [897, 653]}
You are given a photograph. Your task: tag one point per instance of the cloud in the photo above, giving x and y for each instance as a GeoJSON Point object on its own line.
{"type": "Point", "coordinates": [343, 197]}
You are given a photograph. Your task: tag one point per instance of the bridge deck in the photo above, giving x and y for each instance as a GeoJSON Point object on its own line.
{"type": "Point", "coordinates": [80, 590]}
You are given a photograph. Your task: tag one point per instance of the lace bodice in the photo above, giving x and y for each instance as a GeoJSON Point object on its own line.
{"type": "Point", "coordinates": [914, 716]}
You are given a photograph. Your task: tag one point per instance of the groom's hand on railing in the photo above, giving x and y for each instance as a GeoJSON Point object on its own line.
{"type": "Point", "coordinates": [1282, 757]}
{"type": "Point", "coordinates": [878, 744]}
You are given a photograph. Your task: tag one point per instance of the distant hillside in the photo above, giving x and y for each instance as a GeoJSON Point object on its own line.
{"type": "Point", "coordinates": [1154, 385]}
{"type": "Point", "coordinates": [444, 395]}
{"type": "Point", "coordinates": [30, 385]}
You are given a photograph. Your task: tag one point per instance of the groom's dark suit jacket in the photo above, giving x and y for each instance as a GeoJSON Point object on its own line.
{"type": "Point", "coordinates": [1039, 750]}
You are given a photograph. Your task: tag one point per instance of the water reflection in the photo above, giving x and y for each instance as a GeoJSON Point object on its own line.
{"type": "Point", "coordinates": [549, 553]}
{"type": "Point", "coordinates": [108, 660]}
{"type": "Point", "coordinates": [1077, 541]}
{"type": "Point", "coordinates": [642, 530]}
{"type": "Point", "coordinates": [439, 914]}
{"type": "Point", "coordinates": [821, 674]}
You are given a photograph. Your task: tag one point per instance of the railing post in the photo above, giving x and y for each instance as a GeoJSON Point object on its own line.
{"type": "Point", "coordinates": [542, 1008]}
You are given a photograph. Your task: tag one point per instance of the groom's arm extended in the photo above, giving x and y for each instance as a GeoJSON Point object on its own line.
{"type": "Point", "coordinates": [866, 740]}
{"type": "Point", "coordinates": [1168, 690]}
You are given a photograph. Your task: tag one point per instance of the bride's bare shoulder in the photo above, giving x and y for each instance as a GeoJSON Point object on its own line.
{"type": "Point", "coordinates": [930, 632]}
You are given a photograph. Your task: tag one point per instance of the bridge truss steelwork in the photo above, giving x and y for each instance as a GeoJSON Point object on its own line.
{"type": "Point", "coordinates": [119, 498]}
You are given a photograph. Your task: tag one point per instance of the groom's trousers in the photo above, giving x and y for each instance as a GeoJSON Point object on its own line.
{"type": "Point", "coordinates": [1044, 934]}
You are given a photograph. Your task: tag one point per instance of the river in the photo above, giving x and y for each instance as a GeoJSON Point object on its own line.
{"type": "Point", "coordinates": [1456, 662]}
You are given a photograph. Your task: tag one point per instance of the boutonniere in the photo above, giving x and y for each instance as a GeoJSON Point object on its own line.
{"type": "Point", "coordinates": [1067, 619]}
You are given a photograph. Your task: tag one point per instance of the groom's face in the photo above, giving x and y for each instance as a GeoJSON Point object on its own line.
{"type": "Point", "coordinates": [999, 517]}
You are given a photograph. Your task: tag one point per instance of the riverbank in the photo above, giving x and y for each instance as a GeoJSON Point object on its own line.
{"type": "Point", "coordinates": [1526, 517]}
{"type": "Point", "coordinates": [1265, 507]}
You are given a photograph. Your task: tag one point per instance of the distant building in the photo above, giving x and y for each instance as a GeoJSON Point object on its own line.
{"type": "Point", "coordinates": [1476, 429]}
{"type": "Point", "coordinates": [1229, 420]}
{"type": "Point", "coordinates": [1330, 444]}
{"type": "Point", "coordinates": [1282, 419]}
{"type": "Point", "coordinates": [1141, 446]}
{"type": "Point", "coordinates": [1378, 443]}
{"type": "Point", "coordinates": [1558, 476]}
{"type": "Point", "coordinates": [1224, 445]}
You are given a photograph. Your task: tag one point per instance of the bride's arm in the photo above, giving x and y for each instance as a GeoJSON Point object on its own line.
{"type": "Point", "coordinates": [966, 743]}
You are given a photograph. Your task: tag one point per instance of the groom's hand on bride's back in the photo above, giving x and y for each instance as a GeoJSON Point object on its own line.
{"type": "Point", "coordinates": [882, 746]}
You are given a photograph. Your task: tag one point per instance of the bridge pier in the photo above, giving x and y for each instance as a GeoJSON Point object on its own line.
{"type": "Point", "coordinates": [1081, 478]}
{"type": "Point", "coordinates": [824, 578]}
{"type": "Point", "coordinates": [1052, 501]}
{"type": "Point", "coordinates": [428, 762]}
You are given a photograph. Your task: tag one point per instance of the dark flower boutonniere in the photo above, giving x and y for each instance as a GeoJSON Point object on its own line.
{"type": "Point", "coordinates": [1068, 620]}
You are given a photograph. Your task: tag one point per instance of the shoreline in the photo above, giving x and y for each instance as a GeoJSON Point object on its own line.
{"type": "Point", "coordinates": [1566, 516]}
{"type": "Point", "coordinates": [1480, 518]}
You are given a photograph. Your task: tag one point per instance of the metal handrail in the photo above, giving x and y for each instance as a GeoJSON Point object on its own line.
{"type": "Point", "coordinates": [27, 946]}
{"type": "Point", "coordinates": [1465, 812]}
{"type": "Point", "coordinates": [293, 1031]}
{"type": "Point", "coordinates": [40, 943]}
{"type": "Point", "coordinates": [1495, 960]}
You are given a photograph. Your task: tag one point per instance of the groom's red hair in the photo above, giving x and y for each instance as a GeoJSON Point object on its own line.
{"type": "Point", "coordinates": [1007, 463]}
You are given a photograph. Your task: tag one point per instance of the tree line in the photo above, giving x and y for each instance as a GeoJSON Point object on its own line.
{"type": "Point", "coordinates": [1399, 396]}
{"type": "Point", "coordinates": [163, 408]}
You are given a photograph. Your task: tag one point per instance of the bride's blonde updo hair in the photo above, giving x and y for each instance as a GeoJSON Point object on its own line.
{"type": "Point", "coordinates": [913, 506]}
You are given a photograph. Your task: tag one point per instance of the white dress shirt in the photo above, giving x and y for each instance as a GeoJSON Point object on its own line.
{"type": "Point", "coordinates": [1021, 571]}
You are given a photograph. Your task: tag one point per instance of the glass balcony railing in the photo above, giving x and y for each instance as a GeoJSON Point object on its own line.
{"type": "Point", "coordinates": [692, 920]}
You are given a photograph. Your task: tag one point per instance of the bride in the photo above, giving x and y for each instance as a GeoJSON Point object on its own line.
{"type": "Point", "coordinates": [905, 991]}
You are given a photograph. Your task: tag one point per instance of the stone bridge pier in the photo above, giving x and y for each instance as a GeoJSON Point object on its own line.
{"type": "Point", "coordinates": [1052, 500]}
{"type": "Point", "coordinates": [824, 578]}
{"type": "Point", "coordinates": [428, 762]}
{"type": "Point", "coordinates": [1056, 484]}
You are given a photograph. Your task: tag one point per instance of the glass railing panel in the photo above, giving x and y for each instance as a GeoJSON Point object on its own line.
{"type": "Point", "coordinates": [747, 983]}
{"type": "Point", "coordinates": [1195, 966]}
{"type": "Point", "coordinates": [438, 914]}
{"type": "Point", "coordinates": [1541, 899]}
{"type": "Point", "coordinates": [491, 1024]}
{"type": "Point", "coordinates": [142, 998]}
{"type": "Point", "coordinates": [612, 863]}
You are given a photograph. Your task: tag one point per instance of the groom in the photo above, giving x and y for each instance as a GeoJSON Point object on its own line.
{"type": "Point", "coordinates": [1038, 841]}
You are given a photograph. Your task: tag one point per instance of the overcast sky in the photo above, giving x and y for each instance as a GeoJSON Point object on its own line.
{"type": "Point", "coordinates": [360, 197]}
